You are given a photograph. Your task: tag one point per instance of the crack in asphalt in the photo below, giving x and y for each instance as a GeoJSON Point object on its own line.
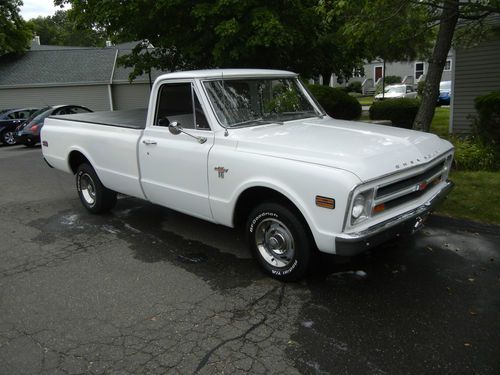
{"type": "Point", "coordinates": [207, 356]}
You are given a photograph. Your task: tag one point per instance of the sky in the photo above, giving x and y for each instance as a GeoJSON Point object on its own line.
{"type": "Point", "coordinates": [35, 8]}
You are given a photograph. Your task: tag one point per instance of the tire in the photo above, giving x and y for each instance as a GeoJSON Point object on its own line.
{"type": "Point", "coordinates": [29, 142]}
{"type": "Point", "coordinates": [280, 241]}
{"type": "Point", "coordinates": [96, 198]}
{"type": "Point", "coordinates": [8, 138]}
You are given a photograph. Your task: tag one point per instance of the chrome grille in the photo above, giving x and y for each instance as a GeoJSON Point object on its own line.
{"type": "Point", "coordinates": [402, 191]}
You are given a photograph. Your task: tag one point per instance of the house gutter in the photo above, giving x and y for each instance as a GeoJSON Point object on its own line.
{"type": "Point", "coordinates": [110, 93]}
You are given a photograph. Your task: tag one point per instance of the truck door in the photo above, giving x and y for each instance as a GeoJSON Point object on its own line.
{"type": "Point", "coordinates": [174, 167]}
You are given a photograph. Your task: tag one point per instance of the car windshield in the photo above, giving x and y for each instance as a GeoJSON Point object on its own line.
{"type": "Point", "coordinates": [395, 89]}
{"type": "Point", "coordinates": [247, 102]}
{"type": "Point", "coordinates": [39, 115]}
{"type": "Point", "coordinates": [445, 85]}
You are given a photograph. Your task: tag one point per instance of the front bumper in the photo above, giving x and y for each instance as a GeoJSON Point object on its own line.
{"type": "Point", "coordinates": [350, 244]}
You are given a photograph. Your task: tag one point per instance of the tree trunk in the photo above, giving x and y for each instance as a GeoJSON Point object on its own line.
{"type": "Point", "coordinates": [449, 18]}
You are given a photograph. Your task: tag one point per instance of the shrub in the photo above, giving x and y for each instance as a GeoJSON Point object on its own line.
{"type": "Point", "coordinates": [354, 87]}
{"type": "Point", "coordinates": [336, 102]}
{"type": "Point", "coordinates": [471, 154]}
{"type": "Point", "coordinates": [392, 80]}
{"type": "Point", "coordinates": [401, 112]}
{"type": "Point", "coordinates": [487, 126]}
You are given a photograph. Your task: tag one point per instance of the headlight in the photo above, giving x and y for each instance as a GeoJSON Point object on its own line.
{"type": "Point", "coordinates": [361, 206]}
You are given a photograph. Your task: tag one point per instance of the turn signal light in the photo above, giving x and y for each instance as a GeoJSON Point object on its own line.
{"type": "Point", "coordinates": [325, 202]}
{"type": "Point", "coordinates": [378, 208]}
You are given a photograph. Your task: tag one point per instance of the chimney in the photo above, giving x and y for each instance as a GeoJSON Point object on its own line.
{"type": "Point", "coordinates": [108, 43]}
{"type": "Point", "coordinates": [36, 40]}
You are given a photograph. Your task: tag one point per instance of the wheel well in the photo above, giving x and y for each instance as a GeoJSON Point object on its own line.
{"type": "Point", "coordinates": [256, 195]}
{"type": "Point", "coordinates": [75, 159]}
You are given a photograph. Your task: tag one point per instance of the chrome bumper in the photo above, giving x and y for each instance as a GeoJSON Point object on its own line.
{"type": "Point", "coordinates": [407, 223]}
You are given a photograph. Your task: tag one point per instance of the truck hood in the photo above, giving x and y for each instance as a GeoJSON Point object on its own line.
{"type": "Point", "coordinates": [367, 150]}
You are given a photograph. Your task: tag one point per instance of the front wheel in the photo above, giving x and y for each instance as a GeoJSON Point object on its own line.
{"type": "Point", "coordinates": [280, 241]}
{"type": "Point", "coordinates": [95, 197]}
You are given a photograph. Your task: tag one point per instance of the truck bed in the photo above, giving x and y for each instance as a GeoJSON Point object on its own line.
{"type": "Point", "coordinates": [132, 119]}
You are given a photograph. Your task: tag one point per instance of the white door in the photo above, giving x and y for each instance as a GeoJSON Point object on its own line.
{"type": "Point", "coordinates": [174, 167]}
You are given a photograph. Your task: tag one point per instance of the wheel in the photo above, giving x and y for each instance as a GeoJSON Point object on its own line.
{"type": "Point", "coordinates": [8, 138]}
{"type": "Point", "coordinates": [280, 241]}
{"type": "Point", "coordinates": [29, 142]}
{"type": "Point", "coordinates": [95, 197]}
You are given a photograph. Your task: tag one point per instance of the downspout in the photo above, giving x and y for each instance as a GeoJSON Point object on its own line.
{"type": "Point", "coordinates": [110, 93]}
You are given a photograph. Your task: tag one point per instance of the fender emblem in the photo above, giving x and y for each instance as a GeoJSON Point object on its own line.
{"type": "Point", "coordinates": [221, 171]}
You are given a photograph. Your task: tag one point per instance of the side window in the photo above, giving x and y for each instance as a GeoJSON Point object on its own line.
{"type": "Point", "coordinates": [175, 105]}
{"type": "Point", "coordinates": [178, 103]}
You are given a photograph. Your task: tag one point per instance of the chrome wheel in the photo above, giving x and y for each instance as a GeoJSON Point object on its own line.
{"type": "Point", "coordinates": [8, 138]}
{"type": "Point", "coordinates": [87, 189]}
{"type": "Point", "coordinates": [275, 242]}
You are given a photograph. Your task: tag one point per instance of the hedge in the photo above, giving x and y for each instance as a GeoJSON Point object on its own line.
{"type": "Point", "coordinates": [401, 112]}
{"type": "Point", "coordinates": [336, 102]}
{"type": "Point", "coordinates": [487, 125]}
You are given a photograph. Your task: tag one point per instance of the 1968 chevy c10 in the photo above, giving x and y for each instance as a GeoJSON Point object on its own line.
{"type": "Point", "coordinates": [253, 149]}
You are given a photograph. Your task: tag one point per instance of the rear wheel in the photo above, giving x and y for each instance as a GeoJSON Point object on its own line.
{"type": "Point", "coordinates": [95, 197]}
{"type": "Point", "coordinates": [280, 241]}
{"type": "Point", "coordinates": [8, 138]}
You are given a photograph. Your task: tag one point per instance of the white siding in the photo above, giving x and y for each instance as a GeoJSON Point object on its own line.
{"type": "Point", "coordinates": [130, 96]}
{"type": "Point", "coordinates": [93, 97]}
{"type": "Point", "coordinates": [476, 73]}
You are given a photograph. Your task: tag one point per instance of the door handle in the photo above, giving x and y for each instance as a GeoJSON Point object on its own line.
{"type": "Point", "coordinates": [148, 142]}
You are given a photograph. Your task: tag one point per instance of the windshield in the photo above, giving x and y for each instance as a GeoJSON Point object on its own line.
{"type": "Point", "coordinates": [36, 114]}
{"type": "Point", "coordinates": [240, 102]}
{"type": "Point", "coordinates": [445, 85]}
{"type": "Point", "coordinates": [395, 89]}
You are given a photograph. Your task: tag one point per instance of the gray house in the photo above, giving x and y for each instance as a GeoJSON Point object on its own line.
{"type": "Point", "coordinates": [476, 73]}
{"type": "Point", "coordinates": [411, 72]}
{"type": "Point", "coordinates": [50, 75]}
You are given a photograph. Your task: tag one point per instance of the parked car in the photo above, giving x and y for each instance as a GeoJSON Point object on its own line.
{"type": "Point", "coordinates": [444, 93]}
{"type": "Point", "coordinates": [256, 151]}
{"type": "Point", "coordinates": [397, 91]}
{"type": "Point", "coordinates": [10, 119]}
{"type": "Point", "coordinates": [29, 132]}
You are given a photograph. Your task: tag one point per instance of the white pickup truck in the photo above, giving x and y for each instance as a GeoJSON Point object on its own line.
{"type": "Point", "coordinates": [253, 149]}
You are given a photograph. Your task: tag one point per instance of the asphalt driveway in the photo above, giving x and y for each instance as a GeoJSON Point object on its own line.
{"type": "Point", "coordinates": [147, 290]}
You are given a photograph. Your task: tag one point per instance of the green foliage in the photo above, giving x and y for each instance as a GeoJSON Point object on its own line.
{"type": "Point", "coordinates": [391, 80]}
{"type": "Point", "coordinates": [471, 154]}
{"type": "Point", "coordinates": [487, 126]}
{"type": "Point", "coordinates": [401, 112]}
{"type": "Point", "coordinates": [15, 34]}
{"type": "Point", "coordinates": [336, 102]}
{"type": "Point", "coordinates": [223, 33]}
{"type": "Point", "coordinates": [354, 87]}
{"type": "Point", "coordinates": [59, 29]}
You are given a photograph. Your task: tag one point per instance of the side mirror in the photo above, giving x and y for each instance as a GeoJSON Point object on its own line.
{"type": "Point", "coordinates": [175, 128]}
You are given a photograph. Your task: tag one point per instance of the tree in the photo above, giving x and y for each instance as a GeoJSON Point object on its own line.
{"type": "Point", "coordinates": [59, 29]}
{"type": "Point", "coordinates": [14, 32]}
{"type": "Point", "coordinates": [221, 33]}
{"type": "Point", "coordinates": [389, 27]}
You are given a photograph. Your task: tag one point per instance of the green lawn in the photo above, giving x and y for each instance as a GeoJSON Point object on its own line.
{"type": "Point", "coordinates": [441, 122]}
{"type": "Point", "coordinates": [365, 100]}
{"type": "Point", "coordinates": [474, 198]}
{"type": "Point", "coordinates": [475, 193]}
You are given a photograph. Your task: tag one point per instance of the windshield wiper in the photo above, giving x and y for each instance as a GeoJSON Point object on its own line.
{"type": "Point", "coordinates": [258, 121]}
